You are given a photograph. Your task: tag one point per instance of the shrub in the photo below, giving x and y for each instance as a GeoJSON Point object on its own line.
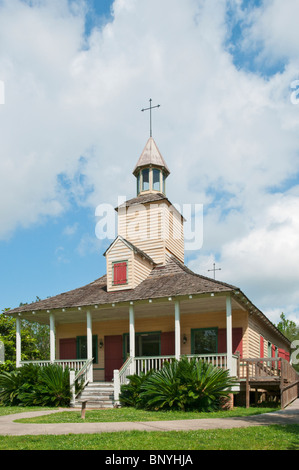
{"type": "Point", "coordinates": [180, 385]}
{"type": "Point", "coordinates": [32, 385]}
{"type": "Point", "coordinates": [130, 393]}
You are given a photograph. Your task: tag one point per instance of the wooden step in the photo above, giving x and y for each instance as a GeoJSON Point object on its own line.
{"type": "Point", "coordinates": [98, 395]}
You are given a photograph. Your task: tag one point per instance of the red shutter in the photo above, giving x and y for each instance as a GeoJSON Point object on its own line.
{"type": "Point", "coordinates": [221, 340]}
{"type": "Point", "coordinates": [120, 273]}
{"type": "Point", "coordinates": [261, 347]}
{"type": "Point", "coordinates": [237, 340]}
{"type": "Point", "coordinates": [167, 344]}
{"type": "Point", "coordinates": [281, 353]}
{"type": "Point", "coordinates": [68, 348]}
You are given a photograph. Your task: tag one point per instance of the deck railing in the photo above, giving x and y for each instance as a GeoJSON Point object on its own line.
{"type": "Point", "coordinates": [261, 371]}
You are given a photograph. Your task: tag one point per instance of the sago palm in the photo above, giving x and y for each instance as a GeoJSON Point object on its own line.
{"type": "Point", "coordinates": [186, 385]}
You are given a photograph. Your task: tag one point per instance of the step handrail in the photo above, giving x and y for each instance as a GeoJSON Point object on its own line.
{"type": "Point", "coordinates": [85, 370]}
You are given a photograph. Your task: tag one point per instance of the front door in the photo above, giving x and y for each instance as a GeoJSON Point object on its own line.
{"type": "Point", "coordinates": [113, 355]}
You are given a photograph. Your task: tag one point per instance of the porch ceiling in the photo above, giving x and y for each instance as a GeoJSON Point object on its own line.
{"type": "Point", "coordinates": [143, 309]}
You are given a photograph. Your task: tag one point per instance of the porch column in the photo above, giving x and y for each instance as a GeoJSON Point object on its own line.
{"type": "Point", "coordinates": [52, 338]}
{"type": "Point", "coordinates": [229, 343]}
{"type": "Point", "coordinates": [177, 330]}
{"type": "Point", "coordinates": [18, 343]}
{"type": "Point", "coordinates": [89, 342]}
{"type": "Point", "coordinates": [132, 336]}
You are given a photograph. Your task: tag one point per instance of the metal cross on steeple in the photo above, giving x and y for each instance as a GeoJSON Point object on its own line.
{"type": "Point", "coordinates": [150, 110]}
{"type": "Point", "coordinates": [214, 269]}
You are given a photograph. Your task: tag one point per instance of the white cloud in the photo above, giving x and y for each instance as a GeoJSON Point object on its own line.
{"type": "Point", "coordinates": [230, 137]}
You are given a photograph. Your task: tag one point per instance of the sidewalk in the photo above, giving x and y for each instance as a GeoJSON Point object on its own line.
{"type": "Point", "coordinates": [8, 428]}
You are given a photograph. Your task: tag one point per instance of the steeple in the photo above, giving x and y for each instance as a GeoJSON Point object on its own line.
{"type": "Point", "coordinates": [151, 170]}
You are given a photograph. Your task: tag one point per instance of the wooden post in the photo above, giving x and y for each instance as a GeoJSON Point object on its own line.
{"type": "Point", "coordinates": [89, 342]}
{"type": "Point", "coordinates": [83, 409]}
{"type": "Point", "coordinates": [132, 338]}
{"type": "Point", "coordinates": [229, 341]}
{"type": "Point", "coordinates": [247, 386]}
{"type": "Point", "coordinates": [116, 385]}
{"type": "Point", "coordinates": [72, 387]}
{"type": "Point", "coordinates": [282, 377]}
{"type": "Point", "coordinates": [52, 338]}
{"type": "Point", "coordinates": [18, 343]}
{"type": "Point", "coordinates": [177, 330]}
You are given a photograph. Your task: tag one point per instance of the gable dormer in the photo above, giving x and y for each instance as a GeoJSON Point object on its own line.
{"type": "Point", "coordinates": [126, 265]}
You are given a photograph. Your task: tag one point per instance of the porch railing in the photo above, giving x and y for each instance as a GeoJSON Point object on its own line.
{"type": "Point", "coordinates": [72, 364]}
{"type": "Point", "coordinates": [79, 369]}
{"type": "Point", "coordinates": [144, 364]}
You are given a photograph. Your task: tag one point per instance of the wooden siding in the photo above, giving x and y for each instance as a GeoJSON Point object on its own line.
{"type": "Point", "coordinates": [138, 268]}
{"type": "Point", "coordinates": [141, 269]}
{"type": "Point", "coordinates": [119, 252]}
{"type": "Point", "coordinates": [153, 227]}
{"type": "Point", "coordinates": [256, 329]}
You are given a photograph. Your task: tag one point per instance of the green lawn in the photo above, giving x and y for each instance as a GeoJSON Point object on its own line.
{"type": "Point", "coordinates": [131, 414]}
{"type": "Point", "coordinates": [254, 438]}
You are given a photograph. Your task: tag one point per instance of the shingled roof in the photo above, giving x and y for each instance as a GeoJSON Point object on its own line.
{"type": "Point", "coordinates": [173, 279]}
{"type": "Point", "coordinates": [151, 156]}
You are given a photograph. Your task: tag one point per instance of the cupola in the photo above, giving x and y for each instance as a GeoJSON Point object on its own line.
{"type": "Point", "coordinates": [151, 170]}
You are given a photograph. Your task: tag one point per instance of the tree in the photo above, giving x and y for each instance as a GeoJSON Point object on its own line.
{"type": "Point", "coordinates": [34, 337]}
{"type": "Point", "coordinates": [288, 328]}
{"type": "Point", "coordinates": [291, 330]}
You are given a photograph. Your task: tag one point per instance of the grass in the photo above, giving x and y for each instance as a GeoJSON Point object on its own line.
{"type": "Point", "coordinates": [11, 410]}
{"type": "Point", "coordinates": [254, 438]}
{"type": "Point", "coordinates": [131, 414]}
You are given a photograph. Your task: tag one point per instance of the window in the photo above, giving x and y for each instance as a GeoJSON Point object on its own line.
{"type": "Point", "coordinates": [156, 180]}
{"type": "Point", "coordinates": [119, 273]}
{"type": "Point", "coordinates": [145, 180]}
{"type": "Point", "coordinates": [146, 344]}
{"type": "Point", "coordinates": [204, 341]}
{"type": "Point", "coordinates": [82, 348]}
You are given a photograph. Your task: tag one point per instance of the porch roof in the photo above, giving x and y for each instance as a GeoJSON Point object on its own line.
{"type": "Point", "coordinates": [173, 279]}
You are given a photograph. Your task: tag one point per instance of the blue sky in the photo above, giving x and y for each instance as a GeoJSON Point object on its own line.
{"type": "Point", "coordinates": [72, 131]}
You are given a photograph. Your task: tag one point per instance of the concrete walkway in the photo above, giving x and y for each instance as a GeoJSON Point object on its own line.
{"type": "Point", "coordinates": [9, 428]}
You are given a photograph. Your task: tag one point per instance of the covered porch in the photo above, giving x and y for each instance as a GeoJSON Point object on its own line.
{"type": "Point", "coordinates": [106, 343]}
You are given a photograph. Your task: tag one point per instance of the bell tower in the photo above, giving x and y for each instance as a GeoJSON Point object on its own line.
{"type": "Point", "coordinates": [151, 170]}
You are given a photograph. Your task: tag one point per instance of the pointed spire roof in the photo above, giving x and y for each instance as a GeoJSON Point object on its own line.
{"type": "Point", "coordinates": [151, 156]}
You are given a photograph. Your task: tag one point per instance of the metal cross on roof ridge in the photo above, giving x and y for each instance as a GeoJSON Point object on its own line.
{"type": "Point", "coordinates": [214, 270]}
{"type": "Point", "coordinates": [150, 110]}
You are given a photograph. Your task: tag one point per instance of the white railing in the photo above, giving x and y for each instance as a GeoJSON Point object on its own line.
{"type": "Point", "coordinates": [85, 373]}
{"type": "Point", "coordinates": [120, 377]}
{"type": "Point", "coordinates": [72, 364]}
{"type": "Point", "coordinates": [79, 368]}
{"type": "Point", "coordinates": [144, 364]}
